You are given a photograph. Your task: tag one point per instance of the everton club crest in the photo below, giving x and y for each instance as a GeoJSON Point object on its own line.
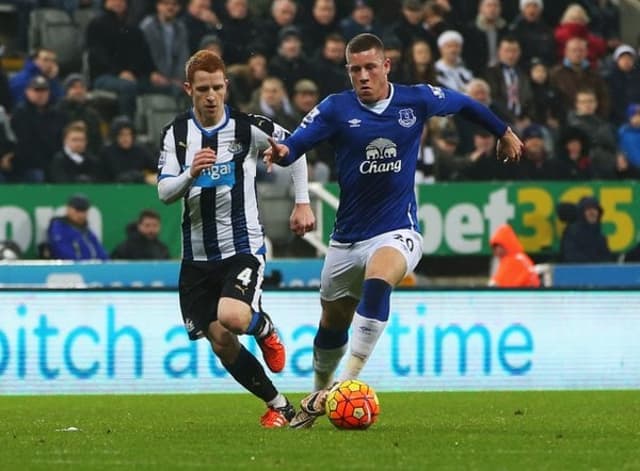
{"type": "Point", "coordinates": [407, 118]}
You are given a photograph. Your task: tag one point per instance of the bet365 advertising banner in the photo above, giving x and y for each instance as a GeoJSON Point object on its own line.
{"type": "Point", "coordinates": [456, 218]}
{"type": "Point", "coordinates": [133, 342]}
{"type": "Point", "coordinates": [459, 218]}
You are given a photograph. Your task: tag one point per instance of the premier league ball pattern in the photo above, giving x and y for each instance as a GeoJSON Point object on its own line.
{"type": "Point", "coordinates": [352, 404]}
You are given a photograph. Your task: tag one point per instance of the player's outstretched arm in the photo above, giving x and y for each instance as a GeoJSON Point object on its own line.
{"type": "Point", "coordinates": [302, 219]}
{"type": "Point", "coordinates": [275, 153]}
{"type": "Point", "coordinates": [509, 147]}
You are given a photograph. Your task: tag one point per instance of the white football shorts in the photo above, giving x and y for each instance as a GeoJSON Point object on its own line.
{"type": "Point", "coordinates": [344, 264]}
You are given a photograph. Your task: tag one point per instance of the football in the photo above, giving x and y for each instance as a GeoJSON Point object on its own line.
{"type": "Point", "coordinates": [352, 404]}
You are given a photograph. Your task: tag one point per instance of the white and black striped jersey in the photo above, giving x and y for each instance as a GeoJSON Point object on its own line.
{"type": "Point", "coordinates": [220, 208]}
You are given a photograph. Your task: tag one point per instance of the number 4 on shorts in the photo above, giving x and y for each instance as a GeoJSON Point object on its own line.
{"type": "Point", "coordinates": [245, 276]}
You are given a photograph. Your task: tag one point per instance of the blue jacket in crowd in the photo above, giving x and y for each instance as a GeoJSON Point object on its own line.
{"type": "Point", "coordinates": [19, 82]}
{"type": "Point", "coordinates": [70, 242]}
{"type": "Point", "coordinates": [629, 142]}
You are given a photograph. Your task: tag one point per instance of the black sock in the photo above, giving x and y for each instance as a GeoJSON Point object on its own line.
{"type": "Point", "coordinates": [248, 371]}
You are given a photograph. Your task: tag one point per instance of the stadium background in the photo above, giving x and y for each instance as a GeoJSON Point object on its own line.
{"type": "Point", "coordinates": [54, 341]}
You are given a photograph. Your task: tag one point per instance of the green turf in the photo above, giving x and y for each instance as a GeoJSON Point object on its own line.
{"type": "Point", "coordinates": [597, 430]}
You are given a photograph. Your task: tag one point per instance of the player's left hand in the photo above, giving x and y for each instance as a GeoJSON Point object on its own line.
{"type": "Point", "coordinates": [509, 147]}
{"type": "Point", "coordinates": [302, 219]}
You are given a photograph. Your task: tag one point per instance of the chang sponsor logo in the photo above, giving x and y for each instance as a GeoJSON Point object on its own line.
{"type": "Point", "coordinates": [381, 157]}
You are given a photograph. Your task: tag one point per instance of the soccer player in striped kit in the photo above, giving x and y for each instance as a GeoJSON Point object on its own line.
{"type": "Point", "coordinates": [208, 160]}
{"type": "Point", "coordinates": [375, 129]}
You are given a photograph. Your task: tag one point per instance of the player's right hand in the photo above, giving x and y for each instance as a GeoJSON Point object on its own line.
{"type": "Point", "coordinates": [202, 159]}
{"type": "Point", "coordinates": [275, 153]}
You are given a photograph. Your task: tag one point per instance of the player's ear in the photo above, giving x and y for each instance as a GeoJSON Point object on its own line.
{"type": "Point", "coordinates": [387, 64]}
{"type": "Point", "coordinates": [187, 88]}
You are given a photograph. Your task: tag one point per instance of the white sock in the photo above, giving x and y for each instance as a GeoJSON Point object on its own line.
{"type": "Point", "coordinates": [365, 333]}
{"type": "Point", "coordinates": [325, 362]}
{"type": "Point", "coordinates": [278, 401]}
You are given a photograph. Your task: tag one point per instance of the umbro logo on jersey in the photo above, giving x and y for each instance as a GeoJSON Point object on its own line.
{"type": "Point", "coordinates": [354, 123]}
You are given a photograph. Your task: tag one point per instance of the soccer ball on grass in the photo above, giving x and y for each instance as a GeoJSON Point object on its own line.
{"type": "Point", "coordinates": [352, 404]}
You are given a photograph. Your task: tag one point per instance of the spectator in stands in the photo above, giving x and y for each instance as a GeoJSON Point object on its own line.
{"type": "Point", "coordinates": [545, 107]}
{"type": "Point", "coordinates": [575, 24]}
{"type": "Point", "coordinates": [283, 14]}
{"type": "Point", "coordinates": [361, 20]}
{"type": "Point", "coordinates": [70, 238]}
{"type": "Point", "coordinates": [599, 131]}
{"type": "Point", "coordinates": [419, 66]}
{"type": "Point", "coordinates": [246, 79]}
{"type": "Point", "coordinates": [166, 36]}
{"type": "Point", "coordinates": [574, 161]}
{"type": "Point", "coordinates": [329, 64]}
{"type": "Point", "coordinates": [448, 161]}
{"type": "Point", "coordinates": [393, 51]}
{"type": "Point", "coordinates": [43, 63]}
{"type": "Point", "coordinates": [453, 12]}
{"type": "Point", "coordinates": [510, 86]}
{"type": "Point", "coordinates": [306, 96]}
{"type": "Point", "coordinates": [7, 154]}
{"type": "Point", "coordinates": [633, 255]}
{"type": "Point", "coordinates": [138, 10]}
{"type": "Point", "coordinates": [605, 20]}
{"type": "Point", "coordinates": [272, 101]}
{"type": "Point", "coordinates": [435, 24]}
{"type": "Point", "coordinates": [119, 58]}
{"type": "Point", "coordinates": [6, 100]}
{"type": "Point", "coordinates": [583, 240]}
{"type": "Point", "coordinates": [450, 71]}
{"type": "Point", "coordinates": [629, 136]}
{"type": "Point", "coordinates": [515, 269]}
{"type": "Point", "coordinates": [408, 28]}
{"type": "Point", "coordinates": [533, 33]}
{"type": "Point", "coordinates": [535, 163]}
{"type": "Point", "coordinates": [482, 163]}
{"type": "Point", "coordinates": [38, 129]}
{"type": "Point", "coordinates": [322, 23]}
{"type": "Point", "coordinates": [426, 166]}
{"type": "Point", "coordinates": [74, 164]}
{"type": "Point", "coordinates": [75, 107]}
{"type": "Point", "coordinates": [479, 90]}
{"type": "Point", "coordinates": [575, 73]}
{"type": "Point", "coordinates": [200, 21]}
{"type": "Point", "coordinates": [289, 64]}
{"type": "Point", "coordinates": [142, 241]}
{"type": "Point", "coordinates": [482, 37]}
{"type": "Point", "coordinates": [125, 161]}
{"type": "Point", "coordinates": [213, 43]}
{"type": "Point", "coordinates": [239, 31]}
{"type": "Point", "coordinates": [624, 82]}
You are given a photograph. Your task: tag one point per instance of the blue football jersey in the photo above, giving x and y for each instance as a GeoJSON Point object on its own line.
{"type": "Point", "coordinates": [377, 152]}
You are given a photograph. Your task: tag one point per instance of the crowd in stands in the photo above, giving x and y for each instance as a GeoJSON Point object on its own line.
{"type": "Point", "coordinates": [556, 71]}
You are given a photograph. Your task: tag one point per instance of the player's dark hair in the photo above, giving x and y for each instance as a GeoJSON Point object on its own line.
{"type": "Point", "coordinates": [364, 42]}
{"type": "Point", "coordinates": [203, 60]}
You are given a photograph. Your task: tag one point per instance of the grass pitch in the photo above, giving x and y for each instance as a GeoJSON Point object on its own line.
{"type": "Point", "coordinates": [595, 430]}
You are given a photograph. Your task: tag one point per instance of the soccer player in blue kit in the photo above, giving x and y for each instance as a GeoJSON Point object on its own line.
{"type": "Point", "coordinates": [375, 130]}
